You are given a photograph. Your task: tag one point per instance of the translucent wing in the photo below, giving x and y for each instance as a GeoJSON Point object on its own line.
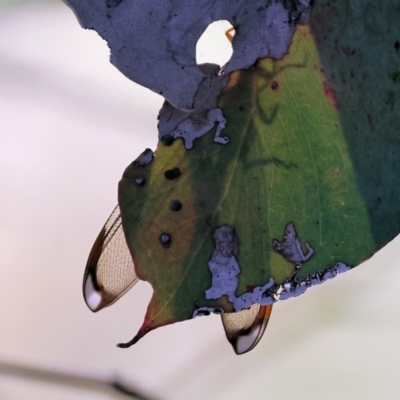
{"type": "Point", "coordinates": [109, 270]}
{"type": "Point", "coordinates": [244, 329]}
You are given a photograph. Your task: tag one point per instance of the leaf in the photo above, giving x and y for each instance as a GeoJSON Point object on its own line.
{"type": "Point", "coordinates": [298, 182]}
{"type": "Point", "coordinates": [298, 194]}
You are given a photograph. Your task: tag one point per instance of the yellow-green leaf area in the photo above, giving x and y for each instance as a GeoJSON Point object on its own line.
{"type": "Point", "coordinates": [286, 162]}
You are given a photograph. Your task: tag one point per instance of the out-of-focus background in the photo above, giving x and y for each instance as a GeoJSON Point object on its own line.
{"type": "Point", "coordinates": [69, 125]}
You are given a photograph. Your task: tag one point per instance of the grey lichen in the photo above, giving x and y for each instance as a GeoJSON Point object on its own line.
{"type": "Point", "coordinates": [294, 286]}
{"type": "Point", "coordinates": [190, 125]}
{"type": "Point", "coordinates": [223, 264]}
{"type": "Point", "coordinates": [153, 43]}
{"type": "Point", "coordinates": [144, 158]}
{"type": "Point", "coordinates": [198, 124]}
{"type": "Point", "coordinates": [225, 272]}
{"type": "Point", "coordinates": [290, 246]}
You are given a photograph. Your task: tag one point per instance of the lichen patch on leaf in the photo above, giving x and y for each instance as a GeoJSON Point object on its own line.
{"type": "Point", "coordinates": [295, 286]}
{"type": "Point", "coordinates": [290, 246]}
{"type": "Point", "coordinates": [145, 158]}
{"type": "Point", "coordinates": [174, 123]}
{"type": "Point", "coordinates": [154, 43]}
{"type": "Point", "coordinates": [225, 270]}
{"type": "Point", "coordinates": [197, 125]}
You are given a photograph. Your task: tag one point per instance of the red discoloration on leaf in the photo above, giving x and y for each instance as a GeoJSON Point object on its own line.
{"type": "Point", "coordinates": [331, 96]}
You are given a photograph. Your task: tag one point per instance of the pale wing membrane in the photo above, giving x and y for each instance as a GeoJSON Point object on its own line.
{"type": "Point", "coordinates": [109, 270]}
{"type": "Point", "coordinates": [245, 328]}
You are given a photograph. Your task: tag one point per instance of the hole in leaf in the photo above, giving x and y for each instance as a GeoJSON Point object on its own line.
{"type": "Point", "coordinates": [213, 45]}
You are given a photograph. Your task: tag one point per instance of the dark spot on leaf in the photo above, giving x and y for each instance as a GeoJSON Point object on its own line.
{"type": "Point", "coordinates": [140, 181]}
{"type": "Point", "coordinates": [113, 3]}
{"type": "Point", "coordinates": [395, 76]}
{"type": "Point", "coordinates": [390, 98]}
{"type": "Point", "coordinates": [274, 85]}
{"type": "Point", "coordinates": [241, 108]}
{"type": "Point", "coordinates": [167, 140]}
{"type": "Point", "coordinates": [165, 239]}
{"type": "Point", "coordinates": [397, 45]}
{"type": "Point", "coordinates": [347, 50]}
{"type": "Point", "coordinates": [175, 205]}
{"type": "Point", "coordinates": [369, 120]}
{"type": "Point", "coordinates": [172, 173]}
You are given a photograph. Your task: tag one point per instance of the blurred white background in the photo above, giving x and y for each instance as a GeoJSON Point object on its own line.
{"type": "Point", "coordinates": [69, 125]}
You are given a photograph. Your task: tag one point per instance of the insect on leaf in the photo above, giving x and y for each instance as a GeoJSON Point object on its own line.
{"type": "Point", "coordinates": [109, 270]}
{"type": "Point", "coordinates": [245, 329]}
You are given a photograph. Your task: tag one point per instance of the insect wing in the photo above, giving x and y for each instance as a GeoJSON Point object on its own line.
{"type": "Point", "coordinates": [109, 272]}
{"type": "Point", "coordinates": [245, 328]}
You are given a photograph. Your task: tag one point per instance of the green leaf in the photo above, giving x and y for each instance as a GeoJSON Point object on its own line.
{"type": "Point", "coordinates": [306, 187]}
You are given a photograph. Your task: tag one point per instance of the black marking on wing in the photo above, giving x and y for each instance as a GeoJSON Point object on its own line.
{"type": "Point", "coordinates": [245, 328]}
